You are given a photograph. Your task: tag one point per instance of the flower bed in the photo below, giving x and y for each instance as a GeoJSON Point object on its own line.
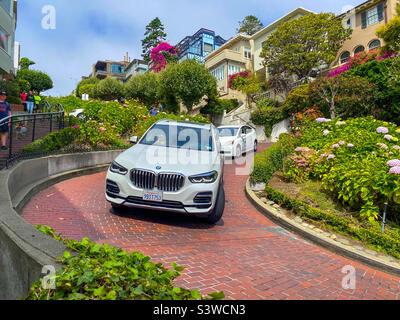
{"type": "Point", "coordinates": [356, 161]}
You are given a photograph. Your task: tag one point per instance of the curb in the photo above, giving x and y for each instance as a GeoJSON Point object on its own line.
{"type": "Point", "coordinates": [322, 241]}
{"type": "Point", "coordinates": [43, 184]}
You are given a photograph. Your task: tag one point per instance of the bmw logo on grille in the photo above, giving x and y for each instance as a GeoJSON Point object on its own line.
{"type": "Point", "coordinates": [158, 167]}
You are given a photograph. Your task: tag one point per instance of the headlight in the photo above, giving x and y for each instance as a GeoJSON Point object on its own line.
{"type": "Point", "coordinates": [117, 168]}
{"type": "Point", "coordinates": [209, 177]}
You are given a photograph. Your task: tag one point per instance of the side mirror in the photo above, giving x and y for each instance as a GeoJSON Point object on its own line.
{"type": "Point", "coordinates": [134, 140]}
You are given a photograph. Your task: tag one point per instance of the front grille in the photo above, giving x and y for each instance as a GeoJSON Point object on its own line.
{"type": "Point", "coordinates": [169, 182]}
{"type": "Point", "coordinates": [143, 179]}
{"type": "Point", "coordinates": [165, 204]}
{"type": "Point", "coordinates": [112, 187]}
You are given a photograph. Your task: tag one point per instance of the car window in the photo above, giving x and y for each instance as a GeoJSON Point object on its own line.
{"type": "Point", "coordinates": [243, 130]}
{"type": "Point", "coordinates": [227, 132]}
{"type": "Point", "coordinates": [179, 136]}
{"type": "Point", "coordinates": [249, 130]}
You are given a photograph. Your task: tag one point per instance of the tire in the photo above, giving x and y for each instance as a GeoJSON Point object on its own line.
{"type": "Point", "coordinates": [239, 152]}
{"type": "Point", "coordinates": [219, 208]}
{"type": "Point", "coordinates": [118, 208]}
{"type": "Point", "coordinates": [81, 116]}
{"type": "Point", "coordinates": [255, 146]}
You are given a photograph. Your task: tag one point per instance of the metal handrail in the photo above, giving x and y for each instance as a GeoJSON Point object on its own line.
{"type": "Point", "coordinates": [58, 115]}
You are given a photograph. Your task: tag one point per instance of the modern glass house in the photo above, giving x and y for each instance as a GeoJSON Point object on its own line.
{"type": "Point", "coordinates": [199, 45]}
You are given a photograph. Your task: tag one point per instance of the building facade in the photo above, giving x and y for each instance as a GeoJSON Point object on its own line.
{"type": "Point", "coordinates": [364, 20]}
{"type": "Point", "coordinates": [199, 45]}
{"type": "Point", "coordinates": [243, 53]}
{"type": "Point", "coordinates": [137, 66]}
{"type": "Point", "coordinates": [8, 23]}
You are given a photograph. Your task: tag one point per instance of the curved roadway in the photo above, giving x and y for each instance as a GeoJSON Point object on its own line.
{"type": "Point", "coordinates": [245, 255]}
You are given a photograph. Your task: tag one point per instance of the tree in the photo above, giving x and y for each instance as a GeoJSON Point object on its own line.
{"type": "Point", "coordinates": [345, 95]}
{"type": "Point", "coordinates": [25, 63]}
{"type": "Point", "coordinates": [299, 46]}
{"type": "Point", "coordinates": [143, 87]}
{"type": "Point", "coordinates": [250, 25]}
{"type": "Point", "coordinates": [390, 33]}
{"type": "Point", "coordinates": [154, 36]}
{"type": "Point", "coordinates": [188, 81]}
{"type": "Point", "coordinates": [83, 83]}
{"type": "Point", "coordinates": [162, 54]}
{"type": "Point", "coordinates": [246, 82]}
{"type": "Point", "coordinates": [38, 80]}
{"type": "Point", "coordinates": [108, 89]}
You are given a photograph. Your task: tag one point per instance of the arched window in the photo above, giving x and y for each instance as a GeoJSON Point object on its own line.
{"type": "Point", "coordinates": [344, 57]}
{"type": "Point", "coordinates": [359, 49]}
{"type": "Point", "coordinates": [374, 44]}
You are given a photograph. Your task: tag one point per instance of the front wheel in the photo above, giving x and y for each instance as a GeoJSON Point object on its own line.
{"type": "Point", "coordinates": [255, 146]}
{"type": "Point", "coordinates": [219, 208]}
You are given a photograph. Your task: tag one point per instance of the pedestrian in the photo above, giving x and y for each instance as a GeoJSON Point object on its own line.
{"type": "Point", "coordinates": [23, 96]}
{"type": "Point", "coordinates": [5, 111]}
{"type": "Point", "coordinates": [153, 111]}
{"type": "Point", "coordinates": [30, 101]}
{"type": "Point", "coordinates": [37, 100]}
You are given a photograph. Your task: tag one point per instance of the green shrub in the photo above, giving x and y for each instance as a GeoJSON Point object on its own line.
{"type": "Point", "coordinates": [101, 272]}
{"type": "Point", "coordinates": [268, 114]}
{"type": "Point", "coordinates": [217, 106]}
{"type": "Point", "coordinates": [86, 89]}
{"type": "Point", "coordinates": [298, 100]}
{"type": "Point", "coordinates": [143, 87]}
{"type": "Point", "coordinates": [68, 102]}
{"type": "Point", "coordinates": [52, 142]}
{"type": "Point", "coordinates": [108, 89]}
{"type": "Point", "coordinates": [85, 82]}
{"type": "Point", "coordinates": [14, 100]}
{"type": "Point", "coordinates": [388, 243]}
{"type": "Point", "coordinates": [266, 163]}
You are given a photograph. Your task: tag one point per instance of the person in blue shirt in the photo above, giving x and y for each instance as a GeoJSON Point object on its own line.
{"type": "Point", "coordinates": [5, 111]}
{"type": "Point", "coordinates": [153, 111]}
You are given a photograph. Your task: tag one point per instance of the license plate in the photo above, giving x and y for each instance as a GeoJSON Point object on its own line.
{"type": "Point", "coordinates": [156, 196]}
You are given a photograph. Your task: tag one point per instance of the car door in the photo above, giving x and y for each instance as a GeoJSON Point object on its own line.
{"type": "Point", "coordinates": [249, 138]}
{"type": "Point", "coordinates": [243, 140]}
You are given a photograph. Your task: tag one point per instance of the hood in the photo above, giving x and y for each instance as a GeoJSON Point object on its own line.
{"type": "Point", "coordinates": [162, 159]}
{"type": "Point", "coordinates": [226, 140]}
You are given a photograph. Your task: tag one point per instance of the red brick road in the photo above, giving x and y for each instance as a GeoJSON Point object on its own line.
{"type": "Point", "coordinates": [245, 255]}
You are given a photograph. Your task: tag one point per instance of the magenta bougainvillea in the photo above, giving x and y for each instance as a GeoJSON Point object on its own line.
{"type": "Point", "coordinates": [158, 54]}
{"type": "Point", "coordinates": [358, 60]}
{"type": "Point", "coordinates": [233, 79]}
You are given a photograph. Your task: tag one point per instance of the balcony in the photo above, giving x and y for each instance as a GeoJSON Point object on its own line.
{"type": "Point", "coordinates": [226, 55]}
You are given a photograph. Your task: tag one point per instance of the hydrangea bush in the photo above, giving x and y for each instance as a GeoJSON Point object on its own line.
{"type": "Point", "coordinates": [357, 161]}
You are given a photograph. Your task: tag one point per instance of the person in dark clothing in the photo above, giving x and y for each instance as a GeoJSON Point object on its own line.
{"type": "Point", "coordinates": [30, 101]}
{"type": "Point", "coordinates": [5, 111]}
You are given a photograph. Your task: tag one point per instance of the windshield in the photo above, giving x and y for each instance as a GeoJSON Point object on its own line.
{"type": "Point", "coordinates": [179, 136]}
{"type": "Point", "coordinates": [228, 132]}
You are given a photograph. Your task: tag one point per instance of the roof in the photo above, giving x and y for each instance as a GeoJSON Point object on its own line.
{"type": "Point", "coordinates": [243, 36]}
{"type": "Point", "coordinates": [286, 17]}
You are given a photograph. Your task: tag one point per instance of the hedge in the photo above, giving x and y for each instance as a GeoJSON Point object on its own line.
{"type": "Point", "coordinates": [269, 161]}
{"type": "Point", "coordinates": [101, 272]}
{"type": "Point", "coordinates": [372, 237]}
{"type": "Point", "coordinates": [53, 141]}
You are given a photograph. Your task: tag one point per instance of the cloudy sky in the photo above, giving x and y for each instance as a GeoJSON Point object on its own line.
{"type": "Point", "coordinates": [91, 30]}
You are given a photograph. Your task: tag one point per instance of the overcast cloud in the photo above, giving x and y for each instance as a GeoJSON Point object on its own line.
{"type": "Point", "coordinates": [91, 30]}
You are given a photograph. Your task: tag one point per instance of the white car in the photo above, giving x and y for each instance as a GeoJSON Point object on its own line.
{"type": "Point", "coordinates": [78, 113]}
{"type": "Point", "coordinates": [237, 140]}
{"type": "Point", "coordinates": [176, 167]}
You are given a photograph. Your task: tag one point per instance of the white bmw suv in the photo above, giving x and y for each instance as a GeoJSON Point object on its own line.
{"type": "Point", "coordinates": [175, 167]}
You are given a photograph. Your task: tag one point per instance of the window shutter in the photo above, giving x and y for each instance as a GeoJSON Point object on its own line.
{"type": "Point", "coordinates": [364, 19]}
{"type": "Point", "coordinates": [380, 12]}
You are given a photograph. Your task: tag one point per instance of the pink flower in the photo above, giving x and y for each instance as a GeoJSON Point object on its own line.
{"type": "Point", "coordinates": [394, 163]}
{"type": "Point", "coordinates": [298, 134]}
{"type": "Point", "coordinates": [326, 132]}
{"type": "Point", "coordinates": [335, 146]}
{"type": "Point", "coordinates": [341, 143]}
{"type": "Point", "coordinates": [331, 156]}
{"type": "Point", "coordinates": [382, 130]}
{"type": "Point", "coordinates": [350, 145]}
{"type": "Point", "coordinates": [388, 137]}
{"type": "Point", "coordinates": [395, 170]}
{"type": "Point", "coordinates": [76, 127]}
